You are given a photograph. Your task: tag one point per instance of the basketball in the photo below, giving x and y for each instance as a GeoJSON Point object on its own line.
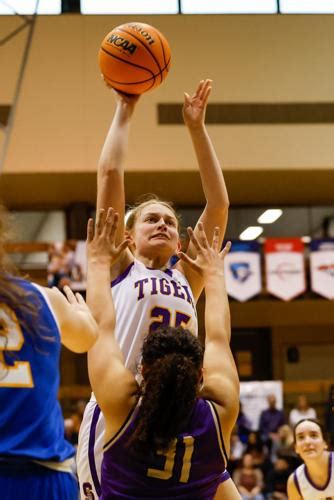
{"type": "Point", "coordinates": [134, 58]}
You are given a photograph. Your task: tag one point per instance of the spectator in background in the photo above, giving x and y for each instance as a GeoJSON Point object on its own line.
{"type": "Point", "coordinates": [248, 479]}
{"type": "Point", "coordinates": [284, 445]}
{"type": "Point", "coordinates": [236, 451]}
{"type": "Point", "coordinates": [270, 421]}
{"type": "Point", "coordinates": [244, 425]}
{"type": "Point", "coordinates": [259, 452]}
{"type": "Point", "coordinates": [277, 479]}
{"type": "Point", "coordinates": [301, 411]}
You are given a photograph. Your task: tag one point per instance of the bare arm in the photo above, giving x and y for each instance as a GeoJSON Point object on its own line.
{"type": "Point", "coordinates": [110, 177]}
{"type": "Point", "coordinates": [221, 383]}
{"type": "Point", "coordinates": [112, 383]}
{"type": "Point", "coordinates": [78, 328]}
{"type": "Point", "coordinates": [293, 493]}
{"type": "Point", "coordinates": [216, 209]}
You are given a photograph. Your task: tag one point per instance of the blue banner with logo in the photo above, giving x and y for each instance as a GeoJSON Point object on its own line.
{"type": "Point", "coordinates": [243, 270]}
{"type": "Point", "coordinates": [322, 267]}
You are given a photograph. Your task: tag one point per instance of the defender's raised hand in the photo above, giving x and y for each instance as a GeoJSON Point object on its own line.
{"type": "Point", "coordinates": [194, 107]}
{"type": "Point", "coordinates": [209, 259]}
{"type": "Point", "coordinates": [101, 245]}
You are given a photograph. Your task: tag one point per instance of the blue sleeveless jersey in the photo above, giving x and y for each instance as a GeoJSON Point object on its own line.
{"type": "Point", "coordinates": [31, 421]}
{"type": "Point", "coordinates": [193, 467]}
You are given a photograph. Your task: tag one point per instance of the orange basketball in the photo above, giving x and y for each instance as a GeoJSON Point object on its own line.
{"type": "Point", "coordinates": [134, 58]}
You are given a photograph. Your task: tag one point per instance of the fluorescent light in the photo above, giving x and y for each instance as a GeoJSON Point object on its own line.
{"type": "Point", "coordinates": [229, 7]}
{"type": "Point", "coordinates": [11, 7]}
{"type": "Point", "coordinates": [270, 216]}
{"type": "Point", "coordinates": [251, 233]}
{"type": "Point", "coordinates": [129, 7]}
{"type": "Point", "coordinates": [306, 7]}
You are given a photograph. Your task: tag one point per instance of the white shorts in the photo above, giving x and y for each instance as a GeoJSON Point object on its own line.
{"type": "Point", "coordinates": [90, 451]}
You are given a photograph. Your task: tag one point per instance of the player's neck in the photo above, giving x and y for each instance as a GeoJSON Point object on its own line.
{"type": "Point", "coordinates": [318, 470]}
{"type": "Point", "coordinates": [156, 262]}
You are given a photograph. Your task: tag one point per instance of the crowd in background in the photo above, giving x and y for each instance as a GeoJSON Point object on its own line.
{"type": "Point", "coordinates": [261, 460]}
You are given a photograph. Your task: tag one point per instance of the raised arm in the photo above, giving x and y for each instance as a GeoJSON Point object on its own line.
{"type": "Point", "coordinates": [112, 383]}
{"type": "Point", "coordinates": [220, 377]}
{"type": "Point", "coordinates": [110, 177]}
{"type": "Point", "coordinates": [78, 329]}
{"type": "Point", "coordinates": [216, 209]}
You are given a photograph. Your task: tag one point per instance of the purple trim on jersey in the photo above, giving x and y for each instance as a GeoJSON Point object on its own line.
{"type": "Point", "coordinates": [91, 456]}
{"type": "Point", "coordinates": [295, 479]}
{"type": "Point", "coordinates": [122, 276]}
{"type": "Point", "coordinates": [167, 271]}
{"type": "Point", "coordinates": [220, 434]}
{"type": "Point", "coordinates": [115, 436]}
{"type": "Point", "coordinates": [225, 476]}
{"type": "Point", "coordinates": [329, 475]}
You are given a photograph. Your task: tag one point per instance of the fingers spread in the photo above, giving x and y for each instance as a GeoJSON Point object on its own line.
{"type": "Point", "coordinates": [100, 221]}
{"type": "Point", "coordinates": [202, 236]}
{"type": "Point", "coordinates": [193, 239]}
{"type": "Point", "coordinates": [70, 295]}
{"type": "Point", "coordinates": [215, 239]}
{"type": "Point", "coordinates": [80, 298]}
{"type": "Point", "coordinates": [90, 230]}
{"type": "Point", "coordinates": [226, 249]}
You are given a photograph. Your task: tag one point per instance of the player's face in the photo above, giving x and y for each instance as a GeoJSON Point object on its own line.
{"type": "Point", "coordinates": [156, 230]}
{"type": "Point", "coordinates": [310, 442]}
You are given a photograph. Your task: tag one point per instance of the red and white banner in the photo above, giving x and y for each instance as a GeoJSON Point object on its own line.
{"type": "Point", "coordinates": [322, 267]}
{"type": "Point", "coordinates": [285, 268]}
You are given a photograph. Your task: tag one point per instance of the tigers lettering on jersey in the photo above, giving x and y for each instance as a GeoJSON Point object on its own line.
{"type": "Point", "coordinates": [156, 286]}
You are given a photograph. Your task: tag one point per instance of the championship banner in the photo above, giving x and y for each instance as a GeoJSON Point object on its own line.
{"type": "Point", "coordinates": [243, 270]}
{"type": "Point", "coordinates": [285, 267]}
{"type": "Point", "coordinates": [322, 267]}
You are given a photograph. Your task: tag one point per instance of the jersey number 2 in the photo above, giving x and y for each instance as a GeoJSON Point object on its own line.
{"type": "Point", "coordinates": [12, 339]}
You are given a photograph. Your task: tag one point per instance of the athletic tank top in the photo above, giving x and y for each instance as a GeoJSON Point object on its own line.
{"type": "Point", "coordinates": [31, 421]}
{"type": "Point", "coordinates": [145, 299]}
{"type": "Point", "coordinates": [193, 467]}
{"type": "Point", "coordinates": [310, 491]}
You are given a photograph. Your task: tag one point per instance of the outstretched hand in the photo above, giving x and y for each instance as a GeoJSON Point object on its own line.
{"type": "Point", "coordinates": [209, 259]}
{"type": "Point", "coordinates": [101, 246]}
{"type": "Point", "coordinates": [122, 97]}
{"type": "Point", "coordinates": [76, 300]}
{"type": "Point", "coordinates": [194, 106]}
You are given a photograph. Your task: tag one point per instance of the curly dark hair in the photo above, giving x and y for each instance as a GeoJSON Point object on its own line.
{"type": "Point", "coordinates": [172, 359]}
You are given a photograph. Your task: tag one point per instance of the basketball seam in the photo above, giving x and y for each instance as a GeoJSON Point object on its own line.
{"type": "Point", "coordinates": [136, 65]}
{"type": "Point", "coordinates": [163, 53]}
{"type": "Point", "coordinates": [145, 47]}
{"type": "Point", "coordinates": [127, 62]}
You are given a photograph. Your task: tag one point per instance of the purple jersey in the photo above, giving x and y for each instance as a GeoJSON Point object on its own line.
{"type": "Point", "coordinates": [193, 467]}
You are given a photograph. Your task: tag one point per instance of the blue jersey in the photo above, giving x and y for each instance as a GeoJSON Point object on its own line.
{"type": "Point", "coordinates": [31, 421]}
{"type": "Point", "coordinates": [193, 467]}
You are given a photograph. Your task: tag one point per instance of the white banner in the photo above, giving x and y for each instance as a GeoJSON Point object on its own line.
{"type": "Point", "coordinates": [322, 267]}
{"type": "Point", "coordinates": [243, 271]}
{"type": "Point", "coordinates": [285, 267]}
{"type": "Point", "coordinates": [253, 396]}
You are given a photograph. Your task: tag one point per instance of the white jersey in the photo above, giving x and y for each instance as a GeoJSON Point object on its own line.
{"type": "Point", "coordinates": [310, 491]}
{"type": "Point", "coordinates": [144, 299]}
